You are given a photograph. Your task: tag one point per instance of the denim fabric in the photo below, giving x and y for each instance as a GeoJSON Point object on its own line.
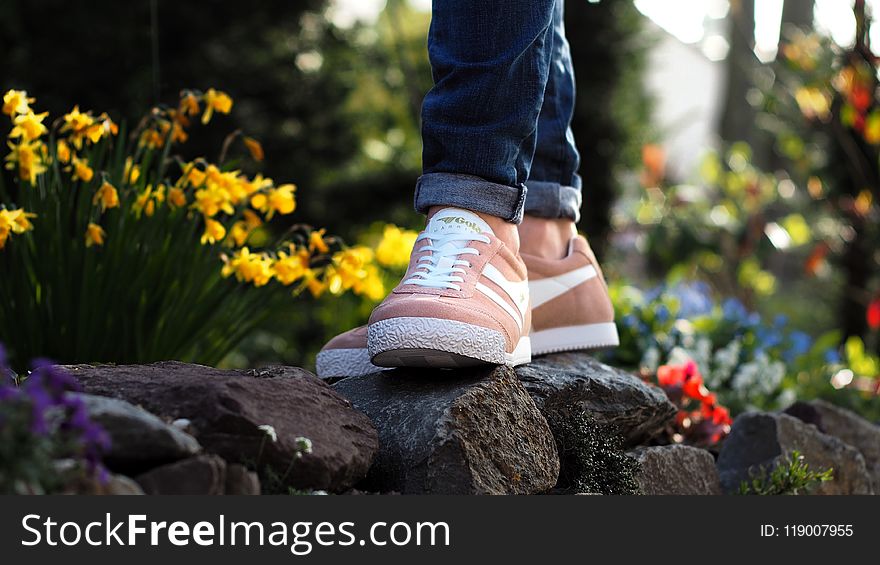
{"type": "Point", "coordinates": [497, 119]}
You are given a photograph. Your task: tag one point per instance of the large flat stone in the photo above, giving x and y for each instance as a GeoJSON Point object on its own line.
{"type": "Point", "coordinates": [676, 469]}
{"type": "Point", "coordinates": [226, 408]}
{"type": "Point", "coordinates": [461, 432]}
{"type": "Point", "coordinates": [759, 439]}
{"type": "Point", "coordinates": [611, 396]}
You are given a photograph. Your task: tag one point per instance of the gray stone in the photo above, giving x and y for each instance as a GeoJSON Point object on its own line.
{"type": "Point", "coordinates": [848, 427]}
{"type": "Point", "coordinates": [138, 439]}
{"type": "Point", "coordinates": [225, 410]}
{"type": "Point", "coordinates": [612, 397]}
{"type": "Point", "coordinates": [241, 481]}
{"type": "Point", "coordinates": [676, 469]}
{"type": "Point", "coordinates": [203, 474]}
{"type": "Point", "coordinates": [454, 432]}
{"type": "Point", "coordinates": [78, 482]}
{"type": "Point", "coordinates": [119, 485]}
{"type": "Point", "coordinates": [759, 439]}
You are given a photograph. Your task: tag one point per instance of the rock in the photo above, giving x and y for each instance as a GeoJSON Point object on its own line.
{"type": "Point", "coordinates": [119, 485]}
{"type": "Point", "coordinates": [471, 431]}
{"type": "Point", "coordinates": [759, 439]}
{"type": "Point", "coordinates": [203, 474]}
{"type": "Point", "coordinates": [139, 440]}
{"type": "Point", "coordinates": [225, 410]}
{"type": "Point", "coordinates": [676, 469]}
{"type": "Point", "coordinates": [850, 428]}
{"type": "Point", "coordinates": [79, 483]}
{"type": "Point", "coordinates": [611, 396]}
{"type": "Point", "coordinates": [241, 481]}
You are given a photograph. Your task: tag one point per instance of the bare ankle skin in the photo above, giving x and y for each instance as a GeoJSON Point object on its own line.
{"type": "Point", "coordinates": [504, 230]}
{"type": "Point", "coordinates": [546, 237]}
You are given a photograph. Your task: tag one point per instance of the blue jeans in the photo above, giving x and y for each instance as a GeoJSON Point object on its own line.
{"type": "Point", "coordinates": [496, 125]}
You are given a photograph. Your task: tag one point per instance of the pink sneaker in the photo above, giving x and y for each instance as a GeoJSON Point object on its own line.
{"type": "Point", "coordinates": [346, 355]}
{"type": "Point", "coordinates": [463, 301]}
{"type": "Point", "coordinates": [570, 304]}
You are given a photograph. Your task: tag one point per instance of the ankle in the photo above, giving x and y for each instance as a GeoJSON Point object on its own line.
{"type": "Point", "coordinates": [503, 230]}
{"type": "Point", "coordinates": [546, 237]}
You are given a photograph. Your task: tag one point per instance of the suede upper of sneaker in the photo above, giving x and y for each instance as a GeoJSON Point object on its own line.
{"type": "Point", "coordinates": [466, 300]}
{"type": "Point", "coordinates": [569, 291]}
{"type": "Point", "coordinates": [352, 339]}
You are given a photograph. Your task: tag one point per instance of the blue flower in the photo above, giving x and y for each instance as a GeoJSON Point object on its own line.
{"type": "Point", "coordinates": [780, 321]}
{"type": "Point", "coordinates": [832, 356]}
{"type": "Point", "coordinates": [695, 299]}
{"type": "Point", "coordinates": [733, 309]}
{"type": "Point", "coordinates": [800, 344]}
{"type": "Point", "coordinates": [662, 313]}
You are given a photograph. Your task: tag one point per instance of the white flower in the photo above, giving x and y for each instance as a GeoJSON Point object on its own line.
{"type": "Point", "coordinates": [303, 445]}
{"type": "Point", "coordinates": [269, 431]}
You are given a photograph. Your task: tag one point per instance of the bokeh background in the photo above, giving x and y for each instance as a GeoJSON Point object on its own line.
{"type": "Point", "coordinates": [730, 156]}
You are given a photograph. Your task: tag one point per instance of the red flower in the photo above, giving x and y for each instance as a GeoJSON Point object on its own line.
{"type": "Point", "coordinates": [873, 314]}
{"type": "Point", "coordinates": [670, 375]}
{"type": "Point", "coordinates": [720, 416]}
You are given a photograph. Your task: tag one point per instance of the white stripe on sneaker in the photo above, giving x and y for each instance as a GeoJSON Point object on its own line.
{"type": "Point", "coordinates": [517, 291]}
{"type": "Point", "coordinates": [545, 290]}
{"type": "Point", "coordinates": [496, 298]}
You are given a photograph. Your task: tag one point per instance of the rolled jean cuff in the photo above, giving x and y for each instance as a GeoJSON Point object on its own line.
{"type": "Point", "coordinates": [553, 200]}
{"type": "Point", "coordinates": [471, 193]}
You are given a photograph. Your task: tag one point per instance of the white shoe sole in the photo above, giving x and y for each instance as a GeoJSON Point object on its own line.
{"type": "Point", "coordinates": [571, 338]}
{"type": "Point", "coordinates": [353, 362]}
{"type": "Point", "coordinates": [439, 343]}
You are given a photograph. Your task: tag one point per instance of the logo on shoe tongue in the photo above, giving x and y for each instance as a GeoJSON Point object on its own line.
{"type": "Point", "coordinates": [451, 221]}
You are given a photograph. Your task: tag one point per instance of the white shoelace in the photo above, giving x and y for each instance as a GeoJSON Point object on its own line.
{"type": "Point", "coordinates": [441, 267]}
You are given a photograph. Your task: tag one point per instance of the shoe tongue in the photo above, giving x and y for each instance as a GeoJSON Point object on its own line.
{"type": "Point", "coordinates": [457, 221]}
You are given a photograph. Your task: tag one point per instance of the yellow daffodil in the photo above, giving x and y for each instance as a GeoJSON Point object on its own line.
{"type": "Point", "coordinates": [371, 285]}
{"type": "Point", "coordinates": [189, 103]}
{"type": "Point", "coordinates": [289, 268]}
{"type": "Point", "coordinates": [255, 268]}
{"type": "Point", "coordinates": [107, 196]}
{"type": "Point", "coordinates": [102, 127]}
{"type": "Point", "coordinates": [238, 234]}
{"type": "Point", "coordinates": [153, 138]}
{"type": "Point", "coordinates": [347, 269]}
{"type": "Point", "coordinates": [315, 285]}
{"type": "Point", "coordinates": [214, 232]}
{"type": "Point", "coordinates": [28, 157]}
{"type": "Point", "coordinates": [316, 241]}
{"type": "Point", "coordinates": [132, 172]}
{"type": "Point", "coordinates": [28, 126]}
{"type": "Point", "coordinates": [81, 169]}
{"type": "Point", "coordinates": [255, 148]}
{"type": "Point", "coordinates": [95, 235]}
{"type": "Point", "coordinates": [62, 151]}
{"type": "Point", "coordinates": [215, 100]}
{"type": "Point", "coordinates": [146, 201]}
{"type": "Point", "coordinates": [242, 229]}
{"type": "Point", "coordinates": [395, 247]}
{"type": "Point", "coordinates": [77, 124]}
{"type": "Point", "coordinates": [193, 175]}
{"type": "Point", "coordinates": [14, 222]}
{"type": "Point", "coordinates": [213, 199]}
{"type": "Point", "coordinates": [16, 102]}
{"type": "Point", "coordinates": [176, 197]}
{"type": "Point", "coordinates": [252, 220]}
